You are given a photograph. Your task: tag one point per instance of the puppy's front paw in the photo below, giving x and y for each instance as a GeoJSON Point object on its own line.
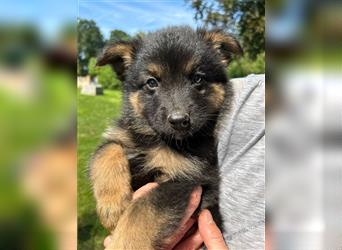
{"type": "Point", "coordinates": [110, 210]}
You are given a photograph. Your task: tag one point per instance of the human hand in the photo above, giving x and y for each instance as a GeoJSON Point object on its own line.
{"type": "Point", "coordinates": [177, 241]}
{"type": "Point", "coordinates": [207, 232]}
{"type": "Point", "coordinates": [210, 233]}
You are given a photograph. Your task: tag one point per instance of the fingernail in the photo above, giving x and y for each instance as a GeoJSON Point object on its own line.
{"type": "Point", "coordinates": [208, 217]}
{"type": "Point", "coordinates": [107, 241]}
{"type": "Point", "coordinates": [197, 191]}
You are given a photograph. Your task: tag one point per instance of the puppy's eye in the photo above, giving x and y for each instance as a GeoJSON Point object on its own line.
{"type": "Point", "coordinates": [152, 83]}
{"type": "Point", "coordinates": [197, 78]}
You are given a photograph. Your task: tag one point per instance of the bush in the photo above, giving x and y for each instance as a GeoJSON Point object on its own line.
{"type": "Point", "coordinates": [92, 69]}
{"type": "Point", "coordinates": [244, 66]}
{"type": "Point", "coordinates": [107, 78]}
{"type": "Point", "coordinates": [105, 75]}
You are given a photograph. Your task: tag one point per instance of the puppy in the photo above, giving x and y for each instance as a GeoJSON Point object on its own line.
{"type": "Point", "coordinates": [175, 91]}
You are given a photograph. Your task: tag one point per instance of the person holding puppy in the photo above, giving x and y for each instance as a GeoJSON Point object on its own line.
{"type": "Point", "coordinates": [249, 106]}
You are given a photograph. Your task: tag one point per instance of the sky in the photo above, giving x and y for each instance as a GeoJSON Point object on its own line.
{"type": "Point", "coordinates": [137, 15]}
{"type": "Point", "coordinates": [48, 16]}
{"type": "Point", "coordinates": [131, 16]}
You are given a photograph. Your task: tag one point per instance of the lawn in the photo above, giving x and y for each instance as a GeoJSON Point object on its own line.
{"type": "Point", "coordinates": [94, 114]}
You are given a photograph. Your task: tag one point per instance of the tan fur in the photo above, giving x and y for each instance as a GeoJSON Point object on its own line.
{"type": "Point", "coordinates": [171, 163]}
{"type": "Point", "coordinates": [138, 110]}
{"type": "Point", "coordinates": [125, 51]}
{"type": "Point", "coordinates": [143, 129]}
{"type": "Point", "coordinates": [216, 97]}
{"type": "Point", "coordinates": [162, 178]}
{"type": "Point", "coordinates": [218, 38]}
{"type": "Point", "coordinates": [155, 70]}
{"type": "Point", "coordinates": [138, 227]}
{"type": "Point", "coordinates": [189, 66]}
{"type": "Point", "coordinates": [111, 179]}
{"type": "Point", "coordinates": [119, 135]}
{"type": "Point", "coordinates": [135, 102]}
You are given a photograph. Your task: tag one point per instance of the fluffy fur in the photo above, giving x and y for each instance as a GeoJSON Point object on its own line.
{"type": "Point", "coordinates": [188, 72]}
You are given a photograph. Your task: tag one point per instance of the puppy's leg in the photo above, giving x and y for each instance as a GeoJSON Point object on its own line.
{"type": "Point", "coordinates": [210, 200]}
{"type": "Point", "coordinates": [151, 219]}
{"type": "Point", "coordinates": [111, 179]}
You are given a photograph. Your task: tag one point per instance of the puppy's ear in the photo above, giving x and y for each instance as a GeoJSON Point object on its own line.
{"type": "Point", "coordinates": [225, 44]}
{"type": "Point", "coordinates": [119, 55]}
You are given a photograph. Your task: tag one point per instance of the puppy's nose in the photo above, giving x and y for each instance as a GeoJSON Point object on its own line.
{"type": "Point", "coordinates": [179, 121]}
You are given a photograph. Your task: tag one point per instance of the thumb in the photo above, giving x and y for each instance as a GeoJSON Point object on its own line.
{"type": "Point", "coordinates": [210, 233]}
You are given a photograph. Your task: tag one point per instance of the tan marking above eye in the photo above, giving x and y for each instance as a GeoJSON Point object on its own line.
{"type": "Point", "coordinates": [155, 70]}
{"type": "Point", "coordinates": [217, 95]}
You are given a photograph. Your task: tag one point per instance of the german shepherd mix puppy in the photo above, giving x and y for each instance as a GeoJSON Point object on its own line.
{"type": "Point", "coordinates": [175, 90]}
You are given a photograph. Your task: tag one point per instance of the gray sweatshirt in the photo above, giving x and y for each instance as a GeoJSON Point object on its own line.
{"type": "Point", "coordinates": [241, 153]}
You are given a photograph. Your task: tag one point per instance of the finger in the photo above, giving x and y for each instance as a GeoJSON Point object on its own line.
{"type": "Point", "coordinates": [107, 241]}
{"type": "Point", "coordinates": [210, 233]}
{"type": "Point", "coordinates": [179, 234]}
{"type": "Point", "coordinates": [187, 222]}
{"type": "Point", "coordinates": [144, 190]}
{"type": "Point", "coordinates": [195, 199]}
{"type": "Point", "coordinates": [193, 242]}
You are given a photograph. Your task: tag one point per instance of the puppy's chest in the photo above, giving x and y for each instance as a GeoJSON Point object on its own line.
{"type": "Point", "coordinates": [164, 163]}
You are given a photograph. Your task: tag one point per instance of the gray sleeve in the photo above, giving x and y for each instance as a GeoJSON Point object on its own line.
{"type": "Point", "coordinates": [241, 154]}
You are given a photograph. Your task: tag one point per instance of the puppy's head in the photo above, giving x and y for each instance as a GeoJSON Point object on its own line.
{"type": "Point", "coordinates": [175, 78]}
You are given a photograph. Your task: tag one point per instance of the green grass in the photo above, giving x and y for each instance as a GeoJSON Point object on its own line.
{"type": "Point", "coordinates": [94, 114]}
{"type": "Point", "coordinates": [28, 126]}
{"type": "Point", "coordinates": [27, 123]}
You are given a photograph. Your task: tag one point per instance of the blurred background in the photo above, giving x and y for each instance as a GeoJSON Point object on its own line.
{"type": "Point", "coordinates": [38, 124]}
{"type": "Point", "coordinates": [304, 124]}
{"type": "Point", "coordinates": [38, 97]}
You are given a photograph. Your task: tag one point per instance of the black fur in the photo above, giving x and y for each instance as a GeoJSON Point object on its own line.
{"type": "Point", "coordinates": [172, 49]}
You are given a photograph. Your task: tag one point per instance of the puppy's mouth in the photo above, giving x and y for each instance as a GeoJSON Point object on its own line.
{"type": "Point", "coordinates": [176, 135]}
{"type": "Point", "coordinates": [180, 135]}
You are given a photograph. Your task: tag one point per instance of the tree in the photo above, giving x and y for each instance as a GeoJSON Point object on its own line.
{"type": "Point", "coordinates": [90, 41]}
{"type": "Point", "coordinates": [92, 69]}
{"type": "Point", "coordinates": [245, 18]}
{"type": "Point", "coordinates": [18, 43]}
{"type": "Point", "coordinates": [118, 35]}
{"type": "Point", "coordinates": [105, 75]}
{"type": "Point", "coordinates": [107, 78]}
